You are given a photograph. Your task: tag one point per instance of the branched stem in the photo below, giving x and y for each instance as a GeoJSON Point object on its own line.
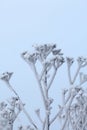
{"type": "Point", "coordinates": [47, 104]}
{"type": "Point", "coordinates": [24, 110]}
{"type": "Point", "coordinates": [39, 84]}
{"type": "Point", "coordinates": [67, 113]}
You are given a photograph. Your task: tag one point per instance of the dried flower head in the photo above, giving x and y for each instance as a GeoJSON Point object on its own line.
{"type": "Point", "coordinates": [45, 50]}
{"type": "Point", "coordinates": [2, 106]}
{"type": "Point", "coordinates": [78, 110]}
{"type": "Point", "coordinates": [13, 101]}
{"type": "Point", "coordinates": [30, 58]}
{"type": "Point", "coordinates": [82, 61]}
{"type": "Point", "coordinates": [37, 111]}
{"type": "Point", "coordinates": [6, 76]}
{"type": "Point", "coordinates": [57, 52]}
{"type": "Point", "coordinates": [70, 61]}
{"type": "Point", "coordinates": [57, 61]}
{"type": "Point", "coordinates": [45, 47]}
{"type": "Point", "coordinates": [83, 78]}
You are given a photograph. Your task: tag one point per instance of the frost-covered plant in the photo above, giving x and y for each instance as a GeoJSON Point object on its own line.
{"type": "Point", "coordinates": [73, 111]}
{"type": "Point", "coordinates": [8, 113]}
{"type": "Point", "coordinates": [49, 58]}
{"type": "Point", "coordinates": [6, 78]}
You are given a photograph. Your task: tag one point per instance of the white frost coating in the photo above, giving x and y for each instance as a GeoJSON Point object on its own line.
{"type": "Point", "coordinates": [73, 111]}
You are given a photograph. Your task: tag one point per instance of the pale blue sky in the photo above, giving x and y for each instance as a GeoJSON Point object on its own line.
{"type": "Point", "coordinates": [27, 22]}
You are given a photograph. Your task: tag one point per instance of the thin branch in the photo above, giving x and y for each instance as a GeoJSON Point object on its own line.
{"type": "Point", "coordinates": [55, 117]}
{"type": "Point", "coordinates": [76, 123]}
{"type": "Point", "coordinates": [77, 72]}
{"type": "Point", "coordinates": [39, 84]}
{"type": "Point", "coordinates": [39, 116]}
{"type": "Point", "coordinates": [69, 95]}
{"type": "Point", "coordinates": [63, 97]}
{"type": "Point", "coordinates": [44, 124]}
{"type": "Point", "coordinates": [67, 113]}
{"type": "Point", "coordinates": [51, 81]}
{"type": "Point", "coordinates": [24, 110]}
{"type": "Point", "coordinates": [69, 74]}
{"type": "Point", "coordinates": [17, 114]}
{"type": "Point", "coordinates": [71, 123]}
{"type": "Point", "coordinates": [42, 73]}
{"type": "Point", "coordinates": [47, 97]}
{"type": "Point", "coordinates": [84, 125]}
{"type": "Point", "coordinates": [44, 69]}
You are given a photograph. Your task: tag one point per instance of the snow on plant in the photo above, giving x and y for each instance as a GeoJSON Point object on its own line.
{"type": "Point", "coordinates": [8, 113]}
{"type": "Point", "coordinates": [73, 112]}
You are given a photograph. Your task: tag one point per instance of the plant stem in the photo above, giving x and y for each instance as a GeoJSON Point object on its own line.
{"type": "Point", "coordinates": [76, 75]}
{"type": "Point", "coordinates": [24, 110]}
{"type": "Point", "coordinates": [40, 86]}
{"type": "Point", "coordinates": [44, 96]}
{"type": "Point", "coordinates": [69, 74]}
{"type": "Point", "coordinates": [47, 105]}
{"type": "Point", "coordinates": [52, 79]}
{"type": "Point", "coordinates": [67, 113]}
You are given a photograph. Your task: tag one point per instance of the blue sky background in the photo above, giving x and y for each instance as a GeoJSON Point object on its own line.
{"type": "Point", "coordinates": [27, 22]}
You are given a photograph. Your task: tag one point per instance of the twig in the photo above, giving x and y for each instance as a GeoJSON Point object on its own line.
{"type": "Point", "coordinates": [24, 110]}
{"type": "Point", "coordinates": [39, 84]}
{"type": "Point", "coordinates": [51, 81]}
{"type": "Point", "coordinates": [77, 72]}
{"type": "Point", "coordinates": [54, 118]}
{"type": "Point", "coordinates": [67, 113]}
{"type": "Point", "coordinates": [39, 116]}
{"type": "Point", "coordinates": [42, 73]}
{"type": "Point", "coordinates": [69, 74]}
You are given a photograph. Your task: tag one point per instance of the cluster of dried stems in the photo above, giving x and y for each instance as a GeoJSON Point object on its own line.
{"type": "Point", "coordinates": [72, 113]}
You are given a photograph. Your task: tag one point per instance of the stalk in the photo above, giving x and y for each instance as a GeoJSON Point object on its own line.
{"type": "Point", "coordinates": [24, 110]}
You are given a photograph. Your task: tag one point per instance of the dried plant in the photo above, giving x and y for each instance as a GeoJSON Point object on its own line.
{"type": "Point", "coordinates": [72, 112]}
